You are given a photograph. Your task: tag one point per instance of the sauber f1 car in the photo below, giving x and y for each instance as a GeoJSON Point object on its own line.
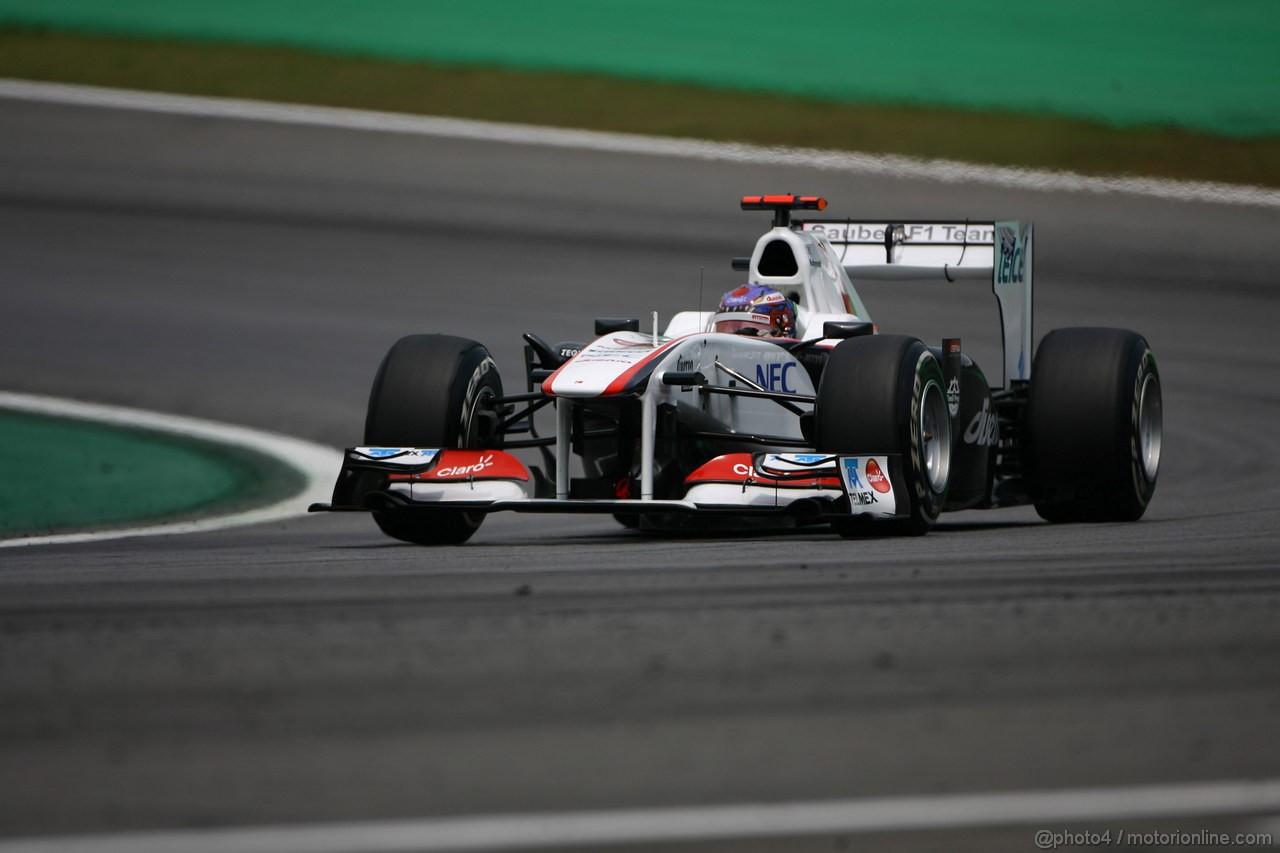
{"type": "Point", "coordinates": [706, 424]}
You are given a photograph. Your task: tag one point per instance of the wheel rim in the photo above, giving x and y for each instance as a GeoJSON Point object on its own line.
{"type": "Point", "coordinates": [467, 440]}
{"type": "Point", "coordinates": [1150, 426]}
{"type": "Point", "coordinates": [935, 437]}
{"type": "Point", "coordinates": [468, 437]}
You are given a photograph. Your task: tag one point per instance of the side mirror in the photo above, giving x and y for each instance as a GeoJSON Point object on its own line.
{"type": "Point", "coordinates": [684, 378]}
{"type": "Point", "coordinates": [605, 325]}
{"type": "Point", "coordinates": [841, 329]}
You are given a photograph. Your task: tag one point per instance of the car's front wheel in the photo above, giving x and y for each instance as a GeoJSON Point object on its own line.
{"type": "Point", "coordinates": [432, 391]}
{"type": "Point", "coordinates": [885, 395]}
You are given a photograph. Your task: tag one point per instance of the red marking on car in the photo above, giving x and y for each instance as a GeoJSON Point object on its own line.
{"type": "Point", "coordinates": [737, 468]}
{"type": "Point", "coordinates": [811, 202]}
{"type": "Point", "coordinates": [621, 381]}
{"type": "Point", "coordinates": [481, 464]}
{"type": "Point", "coordinates": [624, 378]}
{"type": "Point", "coordinates": [876, 477]}
{"type": "Point", "coordinates": [471, 464]}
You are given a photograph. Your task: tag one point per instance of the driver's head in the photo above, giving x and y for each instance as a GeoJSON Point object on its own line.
{"type": "Point", "coordinates": [754, 309]}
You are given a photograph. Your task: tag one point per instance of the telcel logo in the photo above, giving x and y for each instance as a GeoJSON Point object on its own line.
{"type": "Point", "coordinates": [1013, 257]}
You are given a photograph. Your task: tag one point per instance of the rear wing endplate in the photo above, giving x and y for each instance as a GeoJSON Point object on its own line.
{"type": "Point", "coordinates": [998, 252]}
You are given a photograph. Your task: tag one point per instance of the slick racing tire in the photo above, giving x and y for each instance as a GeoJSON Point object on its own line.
{"type": "Point", "coordinates": [432, 391]}
{"type": "Point", "coordinates": [1094, 418]}
{"type": "Point", "coordinates": [884, 395]}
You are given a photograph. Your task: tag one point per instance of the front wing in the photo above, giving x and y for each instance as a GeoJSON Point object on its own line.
{"type": "Point", "coordinates": [809, 486]}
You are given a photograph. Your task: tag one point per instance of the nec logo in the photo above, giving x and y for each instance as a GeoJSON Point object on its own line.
{"type": "Point", "coordinates": [776, 377]}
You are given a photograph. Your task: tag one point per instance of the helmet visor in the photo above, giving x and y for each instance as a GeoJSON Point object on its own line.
{"type": "Point", "coordinates": [739, 323]}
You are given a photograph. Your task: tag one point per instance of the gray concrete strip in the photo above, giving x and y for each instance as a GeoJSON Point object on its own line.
{"type": "Point", "coordinates": [851, 162]}
{"type": "Point", "coordinates": [735, 822]}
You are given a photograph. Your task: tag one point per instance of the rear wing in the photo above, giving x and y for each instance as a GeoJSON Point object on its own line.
{"type": "Point", "coordinates": [998, 252]}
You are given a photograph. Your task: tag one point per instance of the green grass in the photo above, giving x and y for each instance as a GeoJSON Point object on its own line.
{"type": "Point", "coordinates": [63, 474]}
{"type": "Point", "coordinates": [583, 101]}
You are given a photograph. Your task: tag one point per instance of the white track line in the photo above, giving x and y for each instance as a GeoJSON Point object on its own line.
{"type": "Point", "coordinates": [317, 464]}
{"type": "Point", "coordinates": [1051, 811]}
{"type": "Point", "coordinates": [948, 171]}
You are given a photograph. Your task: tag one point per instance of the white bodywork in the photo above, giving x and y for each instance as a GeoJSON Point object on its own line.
{"type": "Point", "coordinates": [815, 266]}
{"type": "Point", "coordinates": [754, 387]}
{"type": "Point", "coordinates": [808, 272]}
{"type": "Point", "coordinates": [630, 363]}
{"type": "Point", "coordinates": [995, 252]}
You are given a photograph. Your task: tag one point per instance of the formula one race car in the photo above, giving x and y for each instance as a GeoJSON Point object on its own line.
{"type": "Point", "coordinates": [786, 405]}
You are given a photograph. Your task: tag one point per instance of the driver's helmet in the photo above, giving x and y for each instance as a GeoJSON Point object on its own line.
{"type": "Point", "coordinates": [754, 309]}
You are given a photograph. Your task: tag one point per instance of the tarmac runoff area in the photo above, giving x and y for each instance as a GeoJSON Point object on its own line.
{"type": "Point", "coordinates": [82, 472]}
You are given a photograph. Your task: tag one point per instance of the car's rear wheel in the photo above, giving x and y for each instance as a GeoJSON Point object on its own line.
{"type": "Point", "coordinates": [885, 395]}
{"type": "Point", "coordinates": [1094, 425]}
{"type": "Point", "coordinates": [432, 391]}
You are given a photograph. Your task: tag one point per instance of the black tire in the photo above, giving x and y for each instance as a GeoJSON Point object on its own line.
{"type": "Point", "coordinates": [885, 395]}
{"type": "Point", "coordinates": [1094, 425]}
{"type": "Point", "coordinates": [430, 391]}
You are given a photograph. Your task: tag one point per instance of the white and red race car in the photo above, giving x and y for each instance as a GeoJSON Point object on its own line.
{"type": "Point", "coordinates": [690, 428]}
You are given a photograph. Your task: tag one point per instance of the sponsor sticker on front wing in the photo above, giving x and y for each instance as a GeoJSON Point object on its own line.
{"type": "Point", "coordinates": [397, 455]}
{"type": "Point", "coordinates": [866, 482]}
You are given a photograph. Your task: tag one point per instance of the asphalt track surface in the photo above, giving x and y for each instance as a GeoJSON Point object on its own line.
{"type": "Point", "coordinates": [311, 670]}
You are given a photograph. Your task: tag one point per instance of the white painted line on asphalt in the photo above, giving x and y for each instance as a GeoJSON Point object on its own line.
{"type": "Point", "coordinates": [1048, 811]}
{"type": "Point", "coordinates": [947, 171]}
{"type": "Point", "coordinates": [316, 463]}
